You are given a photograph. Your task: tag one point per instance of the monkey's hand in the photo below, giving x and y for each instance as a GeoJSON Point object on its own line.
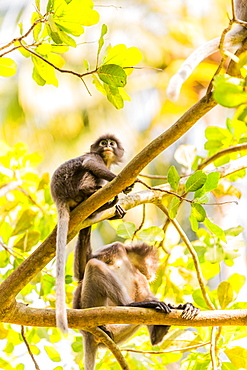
{"type": "Point", "coordinates": [119, 213]}
{"type": "Point", "coordinates": [189, 311]}
{"type": "Point", "coordinates": [128, 189]}
{"type": "Point", "coordinates": [156, 305]}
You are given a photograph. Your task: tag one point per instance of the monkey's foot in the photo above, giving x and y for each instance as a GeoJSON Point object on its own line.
{"type": "Point", "coordinates": [128, 189]}
{"type": "Point", "coordinates": [189, 311]}
{"type": "Point", "coordinates": [156, 305]}
{"type": "Point", "coordinates": [119, 213]}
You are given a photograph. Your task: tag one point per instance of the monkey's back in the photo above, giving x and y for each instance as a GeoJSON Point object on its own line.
{"type": "Point", "coordinates": [64, 181]}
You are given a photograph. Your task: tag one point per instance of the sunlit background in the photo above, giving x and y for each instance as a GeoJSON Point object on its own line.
{"type": "Point", "coordinates": [62, 122]}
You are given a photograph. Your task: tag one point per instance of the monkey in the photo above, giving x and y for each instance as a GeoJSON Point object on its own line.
{"type": "Point", "coordinates": [72, 183]}
{"type": "Point", "coordinates": [118, 275]}
{"type": "Point", "coordinates": [233, 39]}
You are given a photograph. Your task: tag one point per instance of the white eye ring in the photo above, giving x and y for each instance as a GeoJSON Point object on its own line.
{"type": "Point", "coordinates": [103, 143]}
{"type": "Point", "coordinates": [113, 143]}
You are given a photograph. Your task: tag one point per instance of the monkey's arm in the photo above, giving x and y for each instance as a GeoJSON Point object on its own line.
{"type": "Point", "coordinates": [97, 168]}
{"type": "Point", "coordinates": [156, 305]}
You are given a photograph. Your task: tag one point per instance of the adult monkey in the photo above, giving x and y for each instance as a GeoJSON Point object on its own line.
{"type": "Point", "coordinates": [72, 183]}
{"type": "Point", "coordinates": [233, 39]}
{"type": "Point", "coordinates": [118, 275]}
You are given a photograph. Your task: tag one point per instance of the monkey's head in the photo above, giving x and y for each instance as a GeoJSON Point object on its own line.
{"type": "Point", "coordinates": [109, 148]}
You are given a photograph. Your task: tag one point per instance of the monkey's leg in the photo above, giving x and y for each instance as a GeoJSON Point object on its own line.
{"type": "Point", "coordinates": [156, 332]}
{"type": "Point", "coordinates": [189, 311]}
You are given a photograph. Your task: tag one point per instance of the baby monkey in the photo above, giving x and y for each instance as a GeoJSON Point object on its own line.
{"type": "Point", "coordinates": [72, 183]}
{"type": "Point", "coordinates": [118, 275]}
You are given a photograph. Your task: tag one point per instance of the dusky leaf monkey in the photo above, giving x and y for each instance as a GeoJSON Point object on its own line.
{"type": "Point", "coordinates": [233, 39]}
{"type": "Point", "coordinates": [118, 275]}
{"type": "Point", "coordinates": [72, 183]}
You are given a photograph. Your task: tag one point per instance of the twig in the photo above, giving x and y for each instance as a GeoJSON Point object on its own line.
{"type": "Point", "coordinates": [213, 348]}
{"type": "Point", "coordinates": [28, 348]}
{"type": "Point", "coordinates": [142, 221]}
{"type": "Point", "coordinates": [192, 251]}
{"type": "Point", "coordinates": [13, 185]}
{"type": "Point", "coordinates": [105, 339]}
{"type": "Point", "coordinates": [167, 350]}
{"type": "Point", "coordinates": [30, 198]}
{"type": "Point", "coordinates": [231, 149]}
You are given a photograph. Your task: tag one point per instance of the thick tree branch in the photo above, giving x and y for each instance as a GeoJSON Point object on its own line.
{"type": "Point", "coordinates": [24, 315]}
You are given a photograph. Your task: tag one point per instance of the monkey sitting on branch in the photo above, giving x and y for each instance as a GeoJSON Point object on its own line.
{"type": "Point", "coordinates": [72, 183]}
{"type": "Point", "coordinates": [233, 39]}
{"type": "Point", "coordinates": [118, 275]}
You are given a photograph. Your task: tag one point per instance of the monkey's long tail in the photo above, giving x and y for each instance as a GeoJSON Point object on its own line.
{"type": "Point", "coordinates": [232, 39]}
{"type": "Point", "coordinates": [62, 232]}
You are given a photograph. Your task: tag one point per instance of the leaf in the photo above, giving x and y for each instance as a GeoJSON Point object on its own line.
{"type": "Point", "coordinates": [173, 207]}
{"type": "Point", "coordinates": [114, 96]}
{"type": "Point", "coordinates": [52, 353]}
{"type": "Point", "coordinates": [199, 300]}
{"type": "Point", "coordinates": [7, 67]}
{"type": "Point", "coordinates": [195, 181]}
{"type": "Point", "coordinates": [126, 230]}
{"type": "Point", "coordinates": [225, 294]}
{"type": "Point", "coordinates": [193, 222]}
{"type": "Point", "coordinates": [215, 254]}
{"type": "Point", "coordinates": [198, 212]}
{"type": "Point", "coordinates": [122, 56]}
{"type": "Point", "coordinates": [215, 229]}
{"type": "Point", "coordinates": [101, 39]}
{"type": "Point", "coordinates": [185, 155]}
{"type": "Point", "coordinates": [238, 356]}
{"type": "Point", "coordinates": [113, 75]}
{"type": "Point", "coordinates": [29, 240]}
{"type": "Point", "coordinates": [46, 72]}
{"type": "Point", "coordinates": [237, 281]}
{"type": "Point", "coordinates": [24, 222]}
{"type": "Point", "coordinates": [151, 234]}
{"type": "Point", "coordinates": [234, 231]}
{"type": "Point", "coordinates": [228, 91]}
{"type": "Point", "coordinates": [173, 178]}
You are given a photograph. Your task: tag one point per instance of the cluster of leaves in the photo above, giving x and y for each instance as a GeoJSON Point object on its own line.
{"type": "Point", "coordinates": [230, 91]}
{"type": "Point", "coordinates": [54, 34]}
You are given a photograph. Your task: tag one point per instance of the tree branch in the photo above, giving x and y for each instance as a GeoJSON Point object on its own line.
{"type": "Point", "coordinates": [21, 314]}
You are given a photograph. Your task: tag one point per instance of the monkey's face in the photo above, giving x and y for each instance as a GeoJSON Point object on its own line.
{"type": "Point", "coordinates": [109, 148]}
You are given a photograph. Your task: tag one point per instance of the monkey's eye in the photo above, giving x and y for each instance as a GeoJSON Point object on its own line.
{"type": "Point", "coordinates": [103, 143]}
{"type": "Point", "coordinates": [113, 144]}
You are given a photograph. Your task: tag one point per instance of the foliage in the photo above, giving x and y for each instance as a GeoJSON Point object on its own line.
{"type": "Point", "coordinates": [53, 34]}
{"type": "Point", "coordinates": [27, 213]}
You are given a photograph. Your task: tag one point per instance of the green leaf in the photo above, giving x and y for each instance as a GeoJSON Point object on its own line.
{"type": "Point", "coordinates": [151, 234]}
{"type": "Point", "coordinates": [199, 300]}
{"type": "Point", "coordinates": [234, 231]}
{"type": "Point", "coordinates": [46, 72]}
{"type": "Point", "coordinates": [113, 75]}
{"type": "Point", "coordinates": [193, 222]}
{"type": "Point", "coordinates": [126, 230]}
{"type": "Point", "coordinates": [24, 222]}
{"type": "Point", "coordinates": [122, 56]}
{"type": "Point", "coordinates": [195, 181]}
{"type": "Point", "coordinates": [215, 254]}
{"type": "Point", "coordinates": [225, 294]}
{"type": "Point", "coordinates": [237, 281]}
{"type": "Point", "coordinates": [229, 91]}
{"type": "Point", "coordinates": [4, 259]}
{"type": "Point", "coordinates": [52, 353]}
{"type": "Point", "coordinates": [7, 67]}
{"type": "Point", "coordinates": [228, 366]}
{"type": "Point", "coordinates": [215, 229]}
{"type": "Point", "coordinates": [173, 207]}
{"type": "Point", "coordinates": [114, 96]}
{"type": "Point", "coordinates": [238, 356]}
{"type": "Point", "coordinates": [29, 240]}
{"type": "Point", "coordinates": [198, 212]}
{"type": "Point", "coordinates": [173, 178]}
{"type": "Point", "coordinates": [101, 39]}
